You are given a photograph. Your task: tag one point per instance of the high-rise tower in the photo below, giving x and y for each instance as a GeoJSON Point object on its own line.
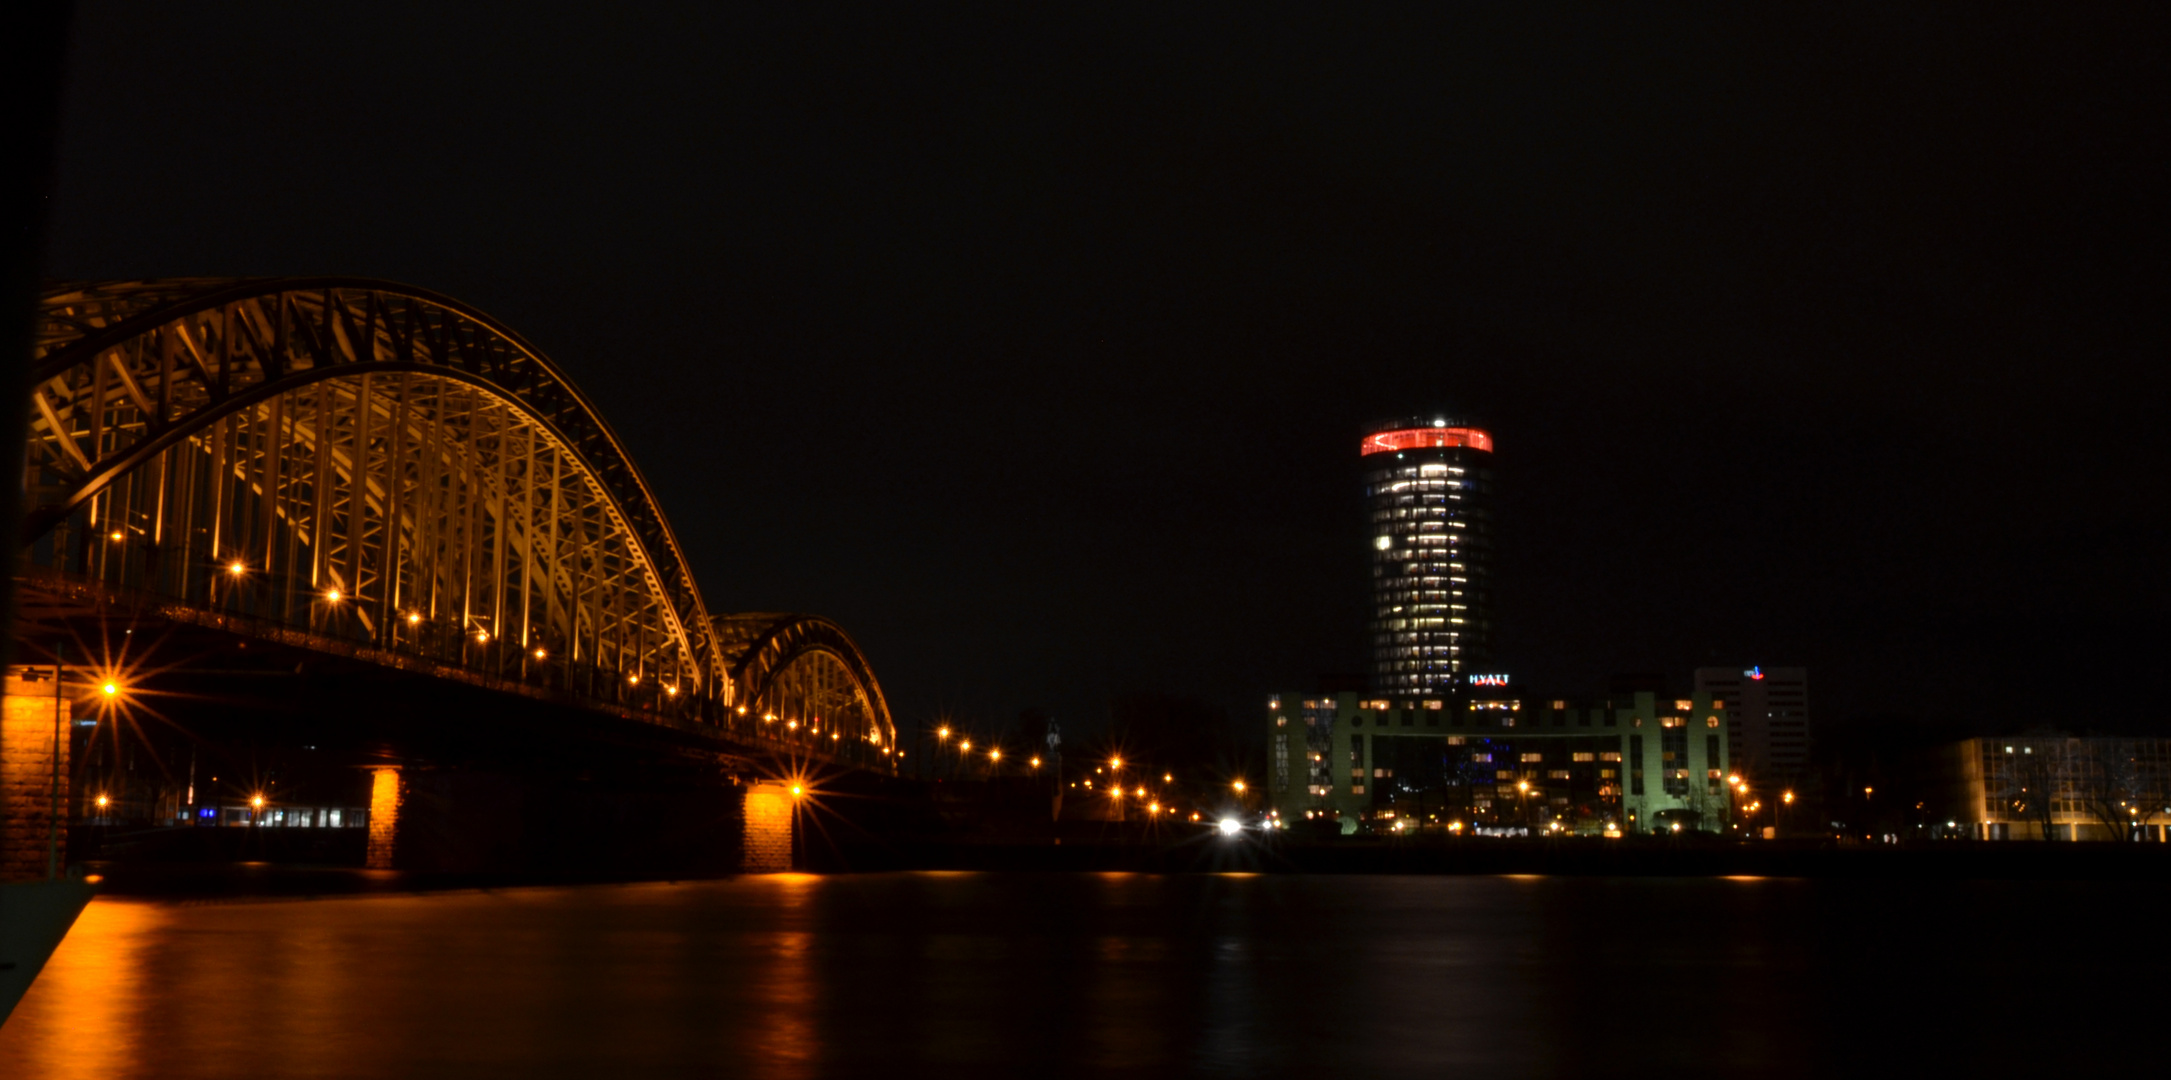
{"type": "Point", "coordinates": [1428, 484]}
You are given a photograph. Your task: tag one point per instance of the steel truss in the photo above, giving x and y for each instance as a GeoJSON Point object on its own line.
{"type": "Point", "coordinates": [374, 463]}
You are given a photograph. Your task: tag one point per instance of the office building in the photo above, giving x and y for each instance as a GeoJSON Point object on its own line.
{"type": "Point", "coordinates": [2053, 786]}
{"type": "Point", "coordinates": [1767, 714]}
{"type": "Point", "coordinates": [1428, 487]}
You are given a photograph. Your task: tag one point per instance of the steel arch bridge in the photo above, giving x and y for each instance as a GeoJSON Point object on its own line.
{"type": "Point", "coordinates": [369, 468]}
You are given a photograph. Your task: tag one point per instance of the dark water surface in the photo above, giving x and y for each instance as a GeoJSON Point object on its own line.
{"type": "Point", "coordinates": [1002, 974]}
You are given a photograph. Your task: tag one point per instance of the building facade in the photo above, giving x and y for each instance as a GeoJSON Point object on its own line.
{"type": "Point", "coordinates": [1767, 715]}
{"type": "Point", "coordinates": [1500, 761]}
{"type": "Point", "coordinates": [2049, 786]}
{"type": "Point", "coordinates": [1428, 485]}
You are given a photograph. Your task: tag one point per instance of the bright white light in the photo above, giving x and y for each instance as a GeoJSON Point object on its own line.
{"type": "Point", "coordinates": [1230, 826]}
{"type": "Point", "coordinates": [1384, 542]}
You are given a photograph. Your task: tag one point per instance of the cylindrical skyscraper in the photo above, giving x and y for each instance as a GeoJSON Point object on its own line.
{"type": "Point", "coordinates": [1428, 484]}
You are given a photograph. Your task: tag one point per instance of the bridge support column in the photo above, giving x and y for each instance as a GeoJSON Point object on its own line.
{"type": "Point", "coordinates": [767, 846]}
{"type": "Point", "coordinates": [28, 838]}
{"type": "Point", "coordinates": [386, 793]}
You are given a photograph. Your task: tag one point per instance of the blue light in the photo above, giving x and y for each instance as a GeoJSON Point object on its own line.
{"type": "Point", "coordinates": [205, 812]}
{"type": "Point", "coordinates": [1756, 672]}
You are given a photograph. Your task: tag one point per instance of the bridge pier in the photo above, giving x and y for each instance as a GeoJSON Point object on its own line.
{"type": "Point", "coordinates": [386, 793]}
{"type": "Point", "coordinates": [27, 772]}
{"type": "Point", "coordinates": [767, 829]}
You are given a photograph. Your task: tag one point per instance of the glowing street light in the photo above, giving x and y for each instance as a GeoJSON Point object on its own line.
{"type": "Point", "coordinates": [110, 688]}
{"type": "Point", "coordinates": [1115, 763]}
{"type": "Point", "coordinates": [331, 595]}
{"type": "Point", "coordinates": [1036, 763]}
{"type": "Point", "coordinates": [539, 654]}
{"type": "Point", "coordinates": [103, 802]}
{"type": "Point", "coordinates": [414, 617]}
{"type": "Point", "coordinates": [1239, 785]}
{"type": "Point", "coordinates": [256, 802]}
{"type": "Point", "coordinates": [995, 755]}
{"type": "Point", "coordinates": [1230, 826]}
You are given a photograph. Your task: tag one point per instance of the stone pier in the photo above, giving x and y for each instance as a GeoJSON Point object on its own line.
{"type": "Point", "coordinates": [26, 779]}
{"type": "Point", "coordinates": [385, 796]}
{"type": "Point", "coordinates": [768, 829]}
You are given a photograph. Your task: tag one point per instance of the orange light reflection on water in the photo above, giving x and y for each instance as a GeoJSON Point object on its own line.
{"type": "Point", "coordinates": [80, 1018]}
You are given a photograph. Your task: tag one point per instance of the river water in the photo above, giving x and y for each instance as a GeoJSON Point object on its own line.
{"type": "Point", "coordinates": [1001, 974]}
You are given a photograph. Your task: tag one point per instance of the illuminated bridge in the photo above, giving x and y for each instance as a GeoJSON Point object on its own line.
{"type": "Point", "coordinates": [371, 475]}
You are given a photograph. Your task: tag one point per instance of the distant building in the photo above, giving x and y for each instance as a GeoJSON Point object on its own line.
{"type": "Point", "coordinates": [1767, 713]}
{"type": "Point", "coordinates": [1428, 484]}
{"type": "Point", "coordinates": [1492, 759]}
{"type": "Point", "coordinates": [2029, 787]}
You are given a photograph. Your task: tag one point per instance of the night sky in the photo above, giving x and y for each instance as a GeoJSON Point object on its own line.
{"type": "Point", "coordinates": [1034, 347]}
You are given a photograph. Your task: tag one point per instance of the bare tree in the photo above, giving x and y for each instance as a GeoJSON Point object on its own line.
{"type": "Point", "coordinates": [2027, 787]}
{"type": "Point", "coordinates": [2121, 784]}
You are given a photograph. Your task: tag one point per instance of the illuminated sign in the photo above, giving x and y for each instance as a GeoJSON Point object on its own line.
{"type": "Point", "coordinates": [1756, 672]}
{"type": "Point", "coordinates": [1426, 438]}
{"type": "Point", "coordinates": [1488, 680]}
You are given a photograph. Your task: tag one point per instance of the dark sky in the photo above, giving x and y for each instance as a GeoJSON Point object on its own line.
{"type": "Point", "coordinates": [1033, 347]}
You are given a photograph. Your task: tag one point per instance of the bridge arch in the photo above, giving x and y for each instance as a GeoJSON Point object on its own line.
{"type": "Point", "coordinates": [804, 674]}
{"type": "Point", "coordinates": [363, 460]}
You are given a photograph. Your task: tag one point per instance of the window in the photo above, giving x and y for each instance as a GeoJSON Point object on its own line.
{"type": "Point", "coordinates": [1486, 758]}
{"type": "Point", "coordinates": [1559, 705]}
{"type": "Point", "coordinates": [1711, 721]}
{"type": "Point", "coordinates": [1584, 756]}
{"type": "Point", "coordinates": [1635, 775]}
{"type": "Point", "coordinates": [1534, 756]}
{"type": "Point", "coordinates": [1557, 774]}
{"type": "Point", "coordinates": [1684, 706]}
{"type": "Point", "coordinates": [1612, 755]}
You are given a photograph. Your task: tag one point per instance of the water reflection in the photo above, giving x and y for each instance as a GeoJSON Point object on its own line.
{"type": "Point", "coordinates": [891, 975]}
{"type": "Point", "coordinates": [80, 1019]}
